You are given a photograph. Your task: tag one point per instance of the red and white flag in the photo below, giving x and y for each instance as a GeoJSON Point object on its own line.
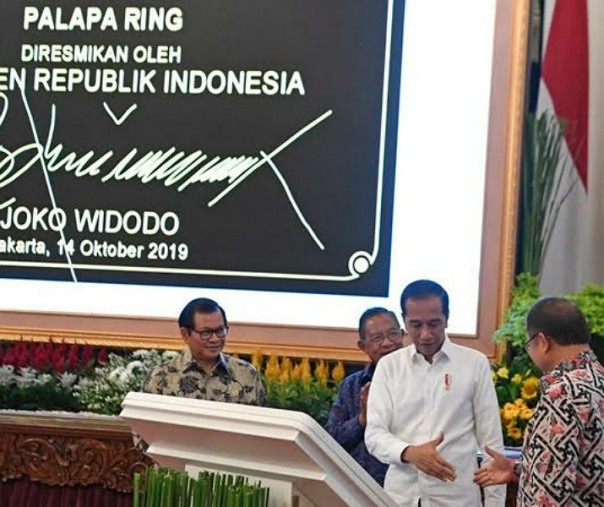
{"type": "Point", "coordinates": [572, 87]}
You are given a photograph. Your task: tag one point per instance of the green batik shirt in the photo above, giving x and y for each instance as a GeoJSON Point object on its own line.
{"type": "Point", "coordinates": [232, 380]}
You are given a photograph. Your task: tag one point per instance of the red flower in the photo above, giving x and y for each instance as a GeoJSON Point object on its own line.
{"type": "Point", "coordinates": [9, 357]}
{"type": "Point", "coordinates": [86, 354]}
{"type": "Point", "coordinates": [103, 357]}
{"type": "Point", "coordinates": [58, 357]}
{"type": "Point", "coordinates": [58, 364]}
{"type": "Point", "coordinates": [41, 357]}
{"type": "Point", "coordinates": [72, 357]}
{"type": "Point", "coordinates": [22, 356]}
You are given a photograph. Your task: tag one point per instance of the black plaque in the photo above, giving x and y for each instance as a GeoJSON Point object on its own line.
{"type": "Point", "coordinates": [244, 144]}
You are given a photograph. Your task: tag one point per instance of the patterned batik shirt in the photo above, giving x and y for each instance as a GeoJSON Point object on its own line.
{"type": "Point", "coordinates": [343, 424]}
{"type": "Point", "coordinates": [563, 456]}
{"type": "Point", "coordinates": [232, 380]}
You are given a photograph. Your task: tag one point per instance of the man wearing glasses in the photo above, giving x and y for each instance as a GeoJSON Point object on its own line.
{"type": "Point", "coordinates": [379, 334]}
{"type": "Point", "coordinates": [202, 371]}
{"type": "Point", "coordinates": [562, 460]}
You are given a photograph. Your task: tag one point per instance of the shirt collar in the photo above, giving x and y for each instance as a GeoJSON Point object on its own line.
{"type": "Point", "coordinates": [190, 364]}
{"type": "Point", "coordinates": [446, 350]}
{"type": "Point", "coordinates": [576, 362]}
{"type": "Point", "coordinates": [367, 374]}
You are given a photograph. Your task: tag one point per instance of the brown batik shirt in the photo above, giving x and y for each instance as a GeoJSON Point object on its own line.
{"type": "Point", "coordinates": [232, 380]}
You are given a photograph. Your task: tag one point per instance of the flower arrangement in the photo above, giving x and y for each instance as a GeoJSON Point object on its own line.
{"type": "Point", "coordinates": [43, 376]}
{"type": "Point", "coordinates": [289, 385]}
{"type": "Point", "coordinates": [51, 357]}
{"type": "Point", "coordinates": [517, 393]}
{"type": "Point", "coordinates": [298, 386]}
{"type": "Point", "coordinates": [56, 376]}
{"type": "Point", "coordinates": [104, 391]}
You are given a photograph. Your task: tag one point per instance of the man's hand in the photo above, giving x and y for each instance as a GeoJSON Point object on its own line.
{"type": "Point", "coordinates": [427, 459]}
{"type": "Point", "coordinates": [498, 471]}
{"type": "Point", "coordinates": [363, 402]}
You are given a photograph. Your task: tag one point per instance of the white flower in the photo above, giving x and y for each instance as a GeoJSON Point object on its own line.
{"type": "Point", "coordinates": [27, 377]}
{"type": "Point", "coordinates": [142, 353]}
{"type": "Point", "coordinates": [7, 375]}
{"type": "Point", "coordinates": [135, 365]}
{"type": "Point", "coordinates": [125, 376]}
{"type": "Point", "coordinates": [115, 359]}
{"type": "Point", "coordinates": [44, 378]}
{"type": "Point", "coordinates": [83, 384]}
{"type": "Point", "coordinates": [68, 379]}
{"type": "Point", "coordinates": [116, 373]}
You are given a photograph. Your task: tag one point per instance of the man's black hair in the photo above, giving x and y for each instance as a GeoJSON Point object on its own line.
{"type": "Point", "coordinates": [424, 289]}
{"type": "Point", "coordinates": [559, 319]}
{"type": "Point", "coordinates": [199, 305]}
{"type": "Point", "coordinates": [372, 312]}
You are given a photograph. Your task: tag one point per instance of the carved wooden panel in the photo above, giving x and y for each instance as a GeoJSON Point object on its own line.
{"type": "Point", "coordinates": [69, 451]}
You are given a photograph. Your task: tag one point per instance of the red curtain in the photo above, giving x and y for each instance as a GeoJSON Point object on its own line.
{"type": "Point", "coordinates": [25, 493]}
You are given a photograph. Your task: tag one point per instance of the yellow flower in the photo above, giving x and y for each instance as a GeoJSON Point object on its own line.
{"type": "Point", "coordinates": [526, 413]}
{"type": "Point", "coordinates": [510, 411]}
{"type": "Point", "coordinates": [338, 372]}
{"type": "Point", "coordinates": [305, 375]}
{"type": "Point", "coordinates": [273, 360]}
{"type": "Point", "coordinates": [286, 364]}
{"type": "Point", "coordinates": [503, 372]}
{"type": "Point", "coordinates": [514, 432]}
{"type": "Point", "coordinates": [517, 379]}
{"type": "Point", "coordinates": [520, 402]}
{"type": "Point", "coordinates": [296, 373]}
{"type": "Point", "coordinates": [321, 372]}
{"type": "Point", "coordinates": [284, 377]}
{"type": "Point", "coordinates": [530, 388]}
{"type": "Point", "coordinates": [256, 359]}
{"type": "Point", "coordinates": [272, 371]}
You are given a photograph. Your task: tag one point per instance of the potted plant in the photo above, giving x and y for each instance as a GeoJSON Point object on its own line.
{"type": "Point", "coordinates": [544, 187]}
{"type": "Point", "coordinates": [513, 331]}
{"type": "Point", "coordinates": [162, 487]}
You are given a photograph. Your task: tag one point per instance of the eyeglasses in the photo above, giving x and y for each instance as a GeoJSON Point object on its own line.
{"type": "Point", "coordinates": [394, 335]}
{"type": "Point", "coordinates": [527, 345]}
{"type": "Point", "coordinates": [206, 334]}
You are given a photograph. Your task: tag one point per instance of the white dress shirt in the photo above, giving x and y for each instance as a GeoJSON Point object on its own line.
{"type": "Point", "coordinates": [412, 401]}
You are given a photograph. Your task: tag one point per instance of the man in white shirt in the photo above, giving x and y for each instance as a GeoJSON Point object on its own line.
{"type": "Point", "coordinates": [431, 406]}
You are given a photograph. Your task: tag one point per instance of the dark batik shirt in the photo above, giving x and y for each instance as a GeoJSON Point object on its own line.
{"type": "Point", "coordinates": [232, 381]}
{"type": "Point", "coordinates": [563, 457]}
{"type": "Point", "coordinates": [343, 424]}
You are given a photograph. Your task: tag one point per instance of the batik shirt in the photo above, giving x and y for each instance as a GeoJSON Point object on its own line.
{"type": "Point", "coordinates": [232, 380]}
{"type": "Point", "coordinates": [344, 427]}
{"type": "Point", "coordinates": [563, 457]}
